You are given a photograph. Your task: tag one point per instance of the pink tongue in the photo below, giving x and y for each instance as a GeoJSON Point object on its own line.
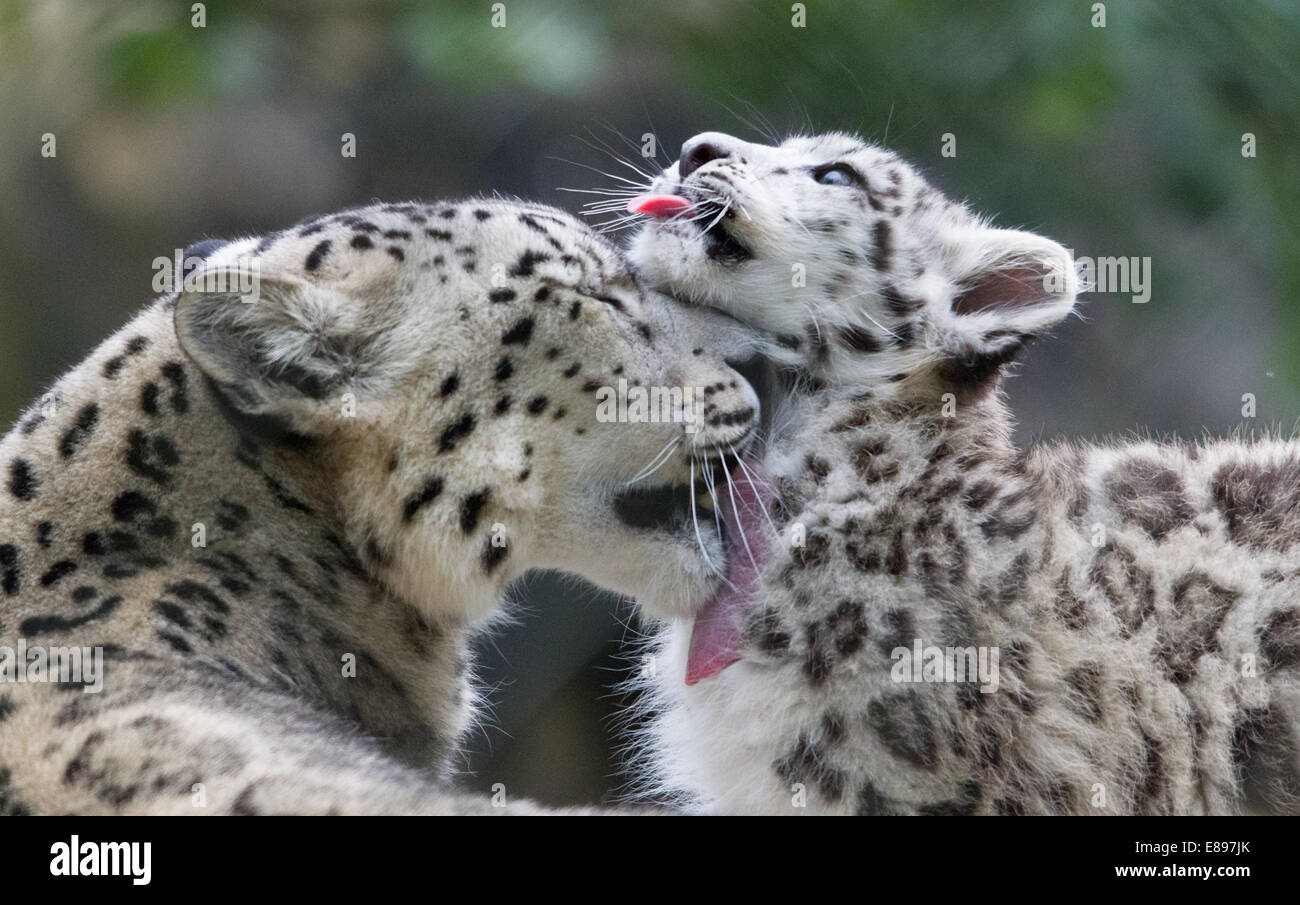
{"type": "Point", "coordinates": [715, 640]}
{"type": "Point", "coordinates": [661, 207]}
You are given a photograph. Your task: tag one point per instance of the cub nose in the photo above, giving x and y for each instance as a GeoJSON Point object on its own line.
{"type": "Point", "coordinates": [699, 151]}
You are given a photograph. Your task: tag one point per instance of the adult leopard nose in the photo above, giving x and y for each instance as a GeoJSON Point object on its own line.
{"type": "Point", "coordinates": [701, 149]}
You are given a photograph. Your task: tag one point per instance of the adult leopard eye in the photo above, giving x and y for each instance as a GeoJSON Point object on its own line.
{"type": "Point", "coordinates": [836, 174]}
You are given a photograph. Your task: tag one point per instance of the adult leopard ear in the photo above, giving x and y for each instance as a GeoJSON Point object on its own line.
{"type": "Point", "coordinates": [275, 347]}
{"type": "Point", "coordinates": [1007, 287]}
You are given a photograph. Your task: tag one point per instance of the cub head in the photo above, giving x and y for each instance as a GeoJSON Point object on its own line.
{"type": "Point", "coordinates": [864, 273]}
{"type": "Point", "coordinates": [480, 389]}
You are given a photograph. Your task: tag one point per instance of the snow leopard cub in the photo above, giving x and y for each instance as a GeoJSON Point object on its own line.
{"type": "Point", "coordinates": [924, 620]}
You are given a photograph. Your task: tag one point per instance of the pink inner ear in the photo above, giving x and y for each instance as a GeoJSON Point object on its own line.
{"type": "Point", "coordinates": [1014, 287]}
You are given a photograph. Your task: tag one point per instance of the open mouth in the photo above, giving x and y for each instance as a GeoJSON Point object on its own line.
{"type": "Point", "coordinates": [710, 218]}
{"type": "Point", "coordinates": [729, 501]}
{"type": "Point", "coordinates": [677, 508]}
{"type": "Point", "coordinates": [719, 244]}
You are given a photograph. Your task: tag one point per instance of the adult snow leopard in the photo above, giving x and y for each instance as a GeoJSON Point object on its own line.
{"type": "Point", "coordinates": [925, 620]}
{"type": "Point", "coordinates": [278, 501]}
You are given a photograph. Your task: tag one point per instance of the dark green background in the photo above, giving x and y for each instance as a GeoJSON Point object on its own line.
{"type": "Point", "coordinates": [1123, 140]}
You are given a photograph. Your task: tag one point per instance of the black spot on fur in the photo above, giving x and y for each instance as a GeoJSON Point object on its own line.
{"type": "Point", "coordinates": [470, 508]}
{"type": "Point", "coordinates": [1070, 607]}
{"type": "Point", "coordinates": [1260, 503]}
{"type": "Point", "coordinates": [1151, 496]}
{"type": "Point", "coordinates": [860, 339]}
{"type": "Point", "coordinates": [871, 803]}
{"type": "Point", "coordinates": [81, 428]}
{"type": "Point", "coordinates": [174, 372]}
{"type": "Point", "coordinates": [817, 467]}
{"type": "Point", "coordinates": [22, 483]}
{"type": "Point", "coordinates": [526, 263]}
{"type": "Point", "coordinates": [149, 398]}
{"type": "Point", "coordinates": [1151, 777]}
{"type": "Point", "coordinates": [963, 804]}
{"type": "Point", "coordinates": [1011, 584]}
{"type": "Point", "coordinates": [39, 625]}
{"type": "Point", "coordinates": [898, 630]}
{"type": "Point", "coordinates": [808, 763]}
{"type": "Point", "coordinates": [1128, 587]}
{"type": "Point", "coordinates": [1013, 518]}
{"type": "Point", "coordinates": [766, 632]}
{"type": "Point", "coordinates": [493, 556]}
{"type": "Point", "coordinates": [317, 255]}
{"type": "Point", "coordinates": [1200, 606]}
{"type": "Point", "coordinates": [151, 457]}
{"type": "Point", "coordinates": [1085, 698]}
{"type": "Point", "coordinates": [847, 626]}
{"type": "Point", "coordinates": [173, 612]}
{"type": "Point", "coordinates": [10, 578]}
{"type": "Point", "coordinates": [882, 246]}
{"type": "Point", "coordinates": [458, 430]}
{"type": "Point", "coordinates": [449, 385]}
{"type": "Point", "coordinates": [905, 730]}
{"type": "Point", "coordinates": [427, 493]}
{"type": "Point", "coordinates": [130, 504]}
{"type": "Point", "coordinates": [194, 592]}
{"type": "Point", "coordinates": [519, 334]}
{"type": "Point", "coordinates": [30, 422]}
{"type": "Point", "coordinates": [537, 405]}
{"type": "Point", "coordinates": [175, 641]}
{"type": "Point", "coordinates": [501, 295]}
{"type": "Point", "coordinates": [978, 495]}
{"type": "Point", "coordinates": [57, 571]}
{"type": "Point", "coordinates": [899, 305]}
{"type": "Point", "coordinates": [974, 369]}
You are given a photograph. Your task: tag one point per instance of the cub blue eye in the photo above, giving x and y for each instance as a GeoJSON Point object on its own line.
{"type": "Point", "coordinates": [836, 174]}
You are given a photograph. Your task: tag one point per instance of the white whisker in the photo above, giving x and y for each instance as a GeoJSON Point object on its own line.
{"type": "Point", "coordinates": [713, 495]}
{"type": "Point", "coordinates": [627, 193]}
{"type": "Point", "coordinates": [740, 525]}
{"type": "Point", "coordinates": [699, 538]}
{"type": "Point", "coordinates": [597, 170]}
{"type": "Point", "coordinates": [754, 479]}
{"type": "Point", "coordinates": [657, 462]}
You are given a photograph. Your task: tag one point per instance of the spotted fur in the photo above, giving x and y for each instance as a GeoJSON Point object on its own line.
{"type": "Point", "coordinates": [281, 517]}
{"type": "Point", "coordinates": [1142, 597]}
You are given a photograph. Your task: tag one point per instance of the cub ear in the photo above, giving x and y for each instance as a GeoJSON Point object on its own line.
{"type": "Point", "coordinates": [1009, 287]}
{"type": "Point", "coordinates": [273, 346]}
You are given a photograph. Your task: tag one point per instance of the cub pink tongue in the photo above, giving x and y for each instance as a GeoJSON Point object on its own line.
{"type": "Point", "coordinates": [660, 207]}
{"type": "Point", "coordinates": [716, 637]}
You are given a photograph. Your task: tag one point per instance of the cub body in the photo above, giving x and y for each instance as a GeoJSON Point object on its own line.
{"type": "Point", "coordinates": [940, 624]}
